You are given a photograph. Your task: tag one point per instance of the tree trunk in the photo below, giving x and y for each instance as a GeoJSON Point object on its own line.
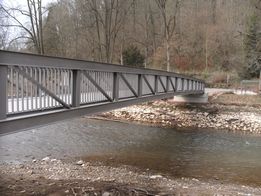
{"type": "Point", "coordinates": [168, 55]}
{"type": "Point", "coordinates": [206, 48]}
{"type": "Point", "coordinates": [260, 82]}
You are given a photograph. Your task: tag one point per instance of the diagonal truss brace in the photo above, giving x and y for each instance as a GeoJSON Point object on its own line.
{"type": "Point", "coordinates": [97, 85]}
{"type": "Point", "coordinates": [40, 86]}
{"type": "Point", "coordinates": [162, 84]}
{"type": "Point", "coordinates": [128, 84]}
{"type": "Point", "coordinates": [148, 84]}
{"type": "Point", "coordinates": [171, 82]}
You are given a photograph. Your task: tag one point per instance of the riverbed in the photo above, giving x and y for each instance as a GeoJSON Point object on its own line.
{"type": "Point", "coordinates": [201, 154]}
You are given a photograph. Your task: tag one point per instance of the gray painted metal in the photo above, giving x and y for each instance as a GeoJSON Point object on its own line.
{"type": "Point", "coordinates": [116, 86]}
{"type": "Point", "coordinates": [172, 85]}
{"type": "Point", "coordinates": [3, 92]}
{"type": "Point", "coordinates": [156, 84]}
{"type": "Point", "coordinates": [97, 85]}
{"type": "Point", "coordinates": [41, 87]}
{"type": "Point", "coordinates": [147, 82]}
{"type": "Point", "coordinates": [76, 100]}
{"type": "Point", "coordinates": [167, 84]}
{"type": "Point", "coordinates": [15, 124]}
{"type": "Point", "coordinates": [38, 90]}
{"type": "Point", "coordinates": [34, 60]}
{"type": "Point", "coordinates": [128, 84]}
{"type": "Point", "coordinates": [139, 85]}
{"type": "Point", "coordinates": [162, 84]}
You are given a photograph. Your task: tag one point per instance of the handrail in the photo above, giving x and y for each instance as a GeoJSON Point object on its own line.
{"type": "Point", "coordinates": [35, 60]}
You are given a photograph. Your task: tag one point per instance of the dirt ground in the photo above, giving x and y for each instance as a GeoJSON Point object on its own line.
{"type": "Point", "coordinates": [55, 177]}
{"type": "Point", "coordinates": [243, 100]}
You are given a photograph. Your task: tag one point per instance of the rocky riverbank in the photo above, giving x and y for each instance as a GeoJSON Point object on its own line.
{"type": "Point", "coordinates": [56, 177]}
{"type": "Point", "coordinates": [242, 117]}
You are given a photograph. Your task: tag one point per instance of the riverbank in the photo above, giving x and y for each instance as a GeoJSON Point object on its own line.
{"type": "Point", "coordinates": [56, 177]}
{"type": "Point", "coordinates": [223, 112]}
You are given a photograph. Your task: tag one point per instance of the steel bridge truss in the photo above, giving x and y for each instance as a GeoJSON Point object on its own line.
{"type": "Point", "coordinates": [38, 90]}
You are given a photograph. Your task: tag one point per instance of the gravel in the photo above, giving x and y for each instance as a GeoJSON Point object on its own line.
{"type": "Point", "coordinates": [59, 177]}
{"type": "Point", "coordinates": [214, 116]}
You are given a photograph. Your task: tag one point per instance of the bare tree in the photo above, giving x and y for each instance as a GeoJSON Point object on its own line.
{"type": "Point", "coordinates": [32, 32]}
{"type": "Point", "coordinates": [3, 31]}
{"type": "Point", "coordinates": [169, 23]}
{"type": "Point", "coordinates": [109, 16]}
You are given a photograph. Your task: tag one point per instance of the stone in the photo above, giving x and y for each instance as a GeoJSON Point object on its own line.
{"type": "Point", "coordinates": [79, 162]}
{"type": "Point", "coordinates": [31, 172]}
{"type": "Point", "coordinates": [195, 179]}
{"type": "Point", "coordinates": [106, 194]}
{"type": "Point", "coordinates": [53, 160]}
{"type": "Point", "coordinates": [155, 176]}
{"type": "Point", "coordinates": [46, 159]}
{"type": "Point", "coordinates": [205, 114]}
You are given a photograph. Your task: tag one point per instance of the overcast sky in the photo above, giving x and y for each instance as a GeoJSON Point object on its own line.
{"type": "Point", "coordinates": [22, 4]}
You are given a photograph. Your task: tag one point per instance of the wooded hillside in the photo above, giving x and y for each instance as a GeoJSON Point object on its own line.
{"type": "Point", "coordinates": [174, 35]}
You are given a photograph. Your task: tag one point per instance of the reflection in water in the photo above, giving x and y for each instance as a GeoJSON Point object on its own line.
{"type": "Point", "coordinates": [199, 154]}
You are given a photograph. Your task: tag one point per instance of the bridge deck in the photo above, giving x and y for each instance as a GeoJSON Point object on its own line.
{"type": "Point", "coordinates": [37, 90]}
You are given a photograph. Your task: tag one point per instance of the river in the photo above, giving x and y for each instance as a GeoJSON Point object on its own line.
{"type": "Point", "coordinates": [201, 154]}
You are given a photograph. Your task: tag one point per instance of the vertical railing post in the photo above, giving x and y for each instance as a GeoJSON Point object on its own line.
{"type": "Point", "coordinates": [3, 92]}
{"type": "Point", "coordinates": [139, 85]}
{"type": "Point", "coordinates": [176, 84]}
{"type": "Point", "coordinates": [167, 83]}
{"type": "Point", "coordinates": [76, 88]}
{"type": "Point", "coordinates": [156, 84]}
{"type": "Point", "coordinates": [115, 86]}
{"type": "Point", "coordinates": [182, 84]}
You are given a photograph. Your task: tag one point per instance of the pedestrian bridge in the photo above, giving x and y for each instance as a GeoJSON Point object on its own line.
{"type": "Point", "coordinates": [37, 90]}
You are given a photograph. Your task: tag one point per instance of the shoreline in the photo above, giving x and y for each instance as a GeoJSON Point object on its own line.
{"type": "Point", "coordinates": [217, 116]}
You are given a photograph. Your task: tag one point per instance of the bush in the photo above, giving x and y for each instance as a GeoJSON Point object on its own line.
{"type": "Point", "coordinates": [218, 77]}
{"type": "Point", "coordinates": [252, 49]}
{"type": "Point", "coordinates": [133, 57]}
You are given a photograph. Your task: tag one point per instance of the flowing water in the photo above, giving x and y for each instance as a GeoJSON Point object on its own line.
{"type": "Point", "coordinates": [202, 154]}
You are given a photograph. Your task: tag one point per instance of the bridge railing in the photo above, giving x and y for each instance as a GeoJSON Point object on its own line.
{"type": "Point", "coordinates": [35, 84]}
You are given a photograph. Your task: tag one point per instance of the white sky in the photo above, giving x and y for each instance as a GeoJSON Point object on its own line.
{"type": "Point", "coordinates": [22, 4]}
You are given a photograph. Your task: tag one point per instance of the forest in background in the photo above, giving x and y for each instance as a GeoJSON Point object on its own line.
{"type": "Point", "coordinates": [198, 37]}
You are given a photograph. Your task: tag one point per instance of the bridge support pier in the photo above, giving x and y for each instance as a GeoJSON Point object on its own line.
{"type": "Point", "coordinates": [191, 98]}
